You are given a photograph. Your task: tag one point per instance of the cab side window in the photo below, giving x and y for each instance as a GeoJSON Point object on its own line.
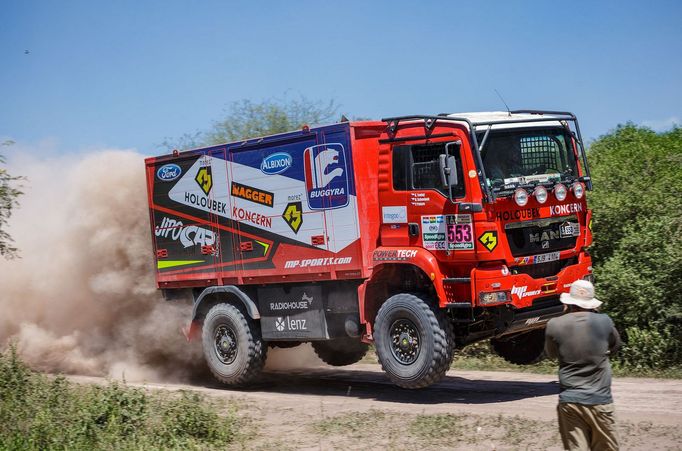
{"type": "Point", "coordinates": [416, 168]}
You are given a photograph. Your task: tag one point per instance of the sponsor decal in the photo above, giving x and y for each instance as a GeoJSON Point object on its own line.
{"type": "Point", "coordinates": [489, 240]}
{"type": "Point", "coordinates": [206, 203]}
{"type": "Point", "coordinates": [460, 232]}
{"type": "Point", "coordinates": [569, 229]}
{"type": "Point", "coordinates": [287, 323]}
{"type": "Point", "coordinates": [168, 172]}
{"type": "Point", "coordinates": [252, 194]}
{"type": "Point", "coordinates": [525, 214]}
{"type": "Point", "coordinates": [304, 304]}
{"type": "Point", "coordinates": [312, 262]}
{"type": "Point", "coordinates": [394, 254]}
{"type": "Point", "coordinates": [560, 210]}
{"type": "Point", "coordinates": [433, 232]}
{"type": "Point", "coordinates": [258, 219]}
{"type": "Point", "coordinates": [204, 179]}
{"type": "Point", "coordinates": [326, 176]}
{"type": "Point", "coordinates": [293, 215]}
{"type": "Point", "coordinates": [522, 292]}
{"type": "Point", "coordinates": [534, 320]}
{"type": "Point", "coordinates": [394, 215]}
{"type": "Point", "coordinates": [276, 163]}
{"type": "Point", "coordinates": [419, 199]}
{"type": "Point", "coordinates": [188, 236]}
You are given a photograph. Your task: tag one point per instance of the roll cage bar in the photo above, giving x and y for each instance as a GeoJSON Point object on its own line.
{"type": "Point", "coordinates": [430, 122]}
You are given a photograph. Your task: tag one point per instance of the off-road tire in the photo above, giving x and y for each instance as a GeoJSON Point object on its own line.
{"type": "Point", "coordinates": [250, 350]}
{"type": "Point", "coordinates": [523, 349]}
{"type": "Point", "coordinates": [435, 336]}
{"type": "Point", "coordinates": [340, 351]}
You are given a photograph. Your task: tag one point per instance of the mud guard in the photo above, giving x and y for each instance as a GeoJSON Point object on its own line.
{"type": "Point", "coordinates": [193, 328]}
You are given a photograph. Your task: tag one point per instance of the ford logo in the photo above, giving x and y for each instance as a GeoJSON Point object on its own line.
{"type": "Point", "coordinates": [276, 163]}
{"type": "Point", "coordinates": [169, 172]}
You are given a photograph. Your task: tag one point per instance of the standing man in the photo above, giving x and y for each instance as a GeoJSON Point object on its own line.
{"type": "Point", "coordinates": [583, 339]}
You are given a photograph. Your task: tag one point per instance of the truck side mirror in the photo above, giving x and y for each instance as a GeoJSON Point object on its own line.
{"type": "Point", "coordinates": [448, 170]}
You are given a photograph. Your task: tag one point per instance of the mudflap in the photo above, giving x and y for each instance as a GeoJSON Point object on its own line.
{"type": "Point", "coordinates": [292, 313]}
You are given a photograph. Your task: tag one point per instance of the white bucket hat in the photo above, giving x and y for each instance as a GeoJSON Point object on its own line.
{"type": "Point", "coordinates": [582, 295]}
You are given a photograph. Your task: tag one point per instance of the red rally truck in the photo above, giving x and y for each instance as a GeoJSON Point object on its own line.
{"type": "Point", "coordinates": [420, 234]}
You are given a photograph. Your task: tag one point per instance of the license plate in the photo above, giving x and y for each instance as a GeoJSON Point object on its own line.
{"type": "Point", "coordinates": [544, 258]}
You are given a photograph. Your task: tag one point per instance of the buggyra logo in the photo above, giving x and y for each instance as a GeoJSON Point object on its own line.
{"type": "Point", "coordinates": [326, 176]}
{"type": "Point", "coordinates": [276, 163]}
{"type": "Point", "coordinates": [168, 172]}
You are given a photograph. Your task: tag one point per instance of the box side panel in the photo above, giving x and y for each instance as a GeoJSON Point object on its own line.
{"type": "Point", "coordinates": [276, 210]}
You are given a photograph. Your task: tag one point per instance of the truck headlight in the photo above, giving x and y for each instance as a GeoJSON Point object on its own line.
{"type": "Point", "coordinates": [578, 190]}
{"type": "Point", "coordinates": [560, 192]}
{"type": "Point", "coordinates": [540, 194]}
{"type": "Point", "coordinates": [521, 197]}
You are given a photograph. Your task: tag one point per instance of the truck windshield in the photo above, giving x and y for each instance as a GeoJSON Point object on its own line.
{"type": "Point", "coordinates": [520, 156]}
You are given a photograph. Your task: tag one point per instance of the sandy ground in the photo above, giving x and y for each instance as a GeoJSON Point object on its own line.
{"type": "Point", "coordinates": [356, 406]}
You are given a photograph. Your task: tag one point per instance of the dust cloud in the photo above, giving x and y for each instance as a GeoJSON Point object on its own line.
{"type": "Point", "coordinates": [82, 297]}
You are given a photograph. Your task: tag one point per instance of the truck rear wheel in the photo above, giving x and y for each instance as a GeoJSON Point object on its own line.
{"type": "Point", "coordinates": [414, 341]}
{"type": "Point", "coordinates": [340, 351]}
{"type": "Point", "coordinates": [523, 349]}
{"type": "Point", "coordinates": [232, 345]}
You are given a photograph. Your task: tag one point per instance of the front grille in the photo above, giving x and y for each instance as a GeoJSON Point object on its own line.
{"type": "Point", "coordinates": [542, 270]}
{"type": "Point", "coordinates": [540, 236]}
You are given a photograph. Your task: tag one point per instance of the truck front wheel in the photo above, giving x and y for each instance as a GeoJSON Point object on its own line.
{"type": "Point", "coordinates": [232, 345]}
{"type": "Point", "coordinates": [414, 341]}
{"type": "Point", "coordinates": [523, 349]}
{"type": "Point", "coordinates": [340, 351]}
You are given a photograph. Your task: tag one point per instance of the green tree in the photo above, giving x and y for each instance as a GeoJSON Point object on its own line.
{"type": "Point", "coordinates": [8, 201]}
{"type": "Point", "coordinates": [246, 119]}
{"type": "Point", "coordinates": [637, 204]}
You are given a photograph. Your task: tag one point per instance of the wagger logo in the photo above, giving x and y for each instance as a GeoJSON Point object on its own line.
{"type": "Point", "coordinates": [252, 194]}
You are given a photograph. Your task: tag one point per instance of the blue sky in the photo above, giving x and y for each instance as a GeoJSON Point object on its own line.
{"type": "Point", "coordinates": [126, 74]}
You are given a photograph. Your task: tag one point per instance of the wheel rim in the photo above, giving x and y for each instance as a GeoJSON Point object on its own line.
{"type": "Point", "coordinates": [405, 341]}
{"type": "Point", "coordinates": [225, 344]}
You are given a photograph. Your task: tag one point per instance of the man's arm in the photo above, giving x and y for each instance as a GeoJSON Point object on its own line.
{"type": "Point", "coordinates": [551, 349]}
{"type": "Point", "coordinates": [614, 340]}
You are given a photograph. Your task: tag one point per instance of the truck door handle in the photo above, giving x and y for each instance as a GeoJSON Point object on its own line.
{"type": "Point", "coordinates": [413, 229]}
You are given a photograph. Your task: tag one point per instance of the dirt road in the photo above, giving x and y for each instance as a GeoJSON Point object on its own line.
{"type": "Point", "coordinates": [326, 408]}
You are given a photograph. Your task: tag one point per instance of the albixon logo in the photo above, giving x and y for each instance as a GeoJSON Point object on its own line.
{"type": "Point", "coordinates": [276, 163]}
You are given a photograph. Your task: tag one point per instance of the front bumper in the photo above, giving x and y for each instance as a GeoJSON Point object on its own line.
{"type": "Point", "coordinates": [522, 290]}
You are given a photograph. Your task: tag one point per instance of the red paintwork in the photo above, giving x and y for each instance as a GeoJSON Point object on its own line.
{"type": "Point", "coordinates": [373, 180]}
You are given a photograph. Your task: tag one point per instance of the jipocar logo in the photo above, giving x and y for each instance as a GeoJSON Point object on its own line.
{"type": "Point", "coordinates": [326, 176]}
{"type": "Point", "coordinates": [276, 163]}
{"type": "Point", "coordinates": [168, 172]}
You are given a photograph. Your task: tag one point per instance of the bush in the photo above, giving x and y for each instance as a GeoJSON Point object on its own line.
{"type": "Point", "coordinates": [37, 412]}
{"type": "Point", "coordinates": [637, 250]}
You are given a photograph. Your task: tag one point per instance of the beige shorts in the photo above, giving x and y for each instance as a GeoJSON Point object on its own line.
{"type": "Point", "coordinates": [585, 427]}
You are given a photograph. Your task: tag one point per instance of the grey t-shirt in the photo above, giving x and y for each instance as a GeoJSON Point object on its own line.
{"type": "Point", "coordinates": [583, 341]}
